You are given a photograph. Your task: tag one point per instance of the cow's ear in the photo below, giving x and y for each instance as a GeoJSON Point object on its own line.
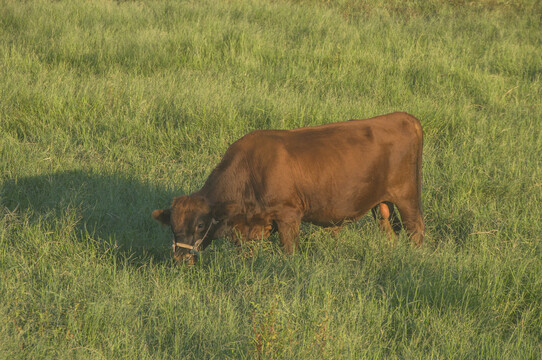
{"type": "Point", "coordinates": [163, 216]}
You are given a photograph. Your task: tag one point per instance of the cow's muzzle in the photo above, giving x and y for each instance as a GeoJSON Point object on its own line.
{"type": "Point", "coordinates": [193, 254]}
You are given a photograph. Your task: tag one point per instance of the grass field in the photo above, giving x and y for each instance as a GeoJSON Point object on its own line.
{"type": "Point", "coordinates": [110, 108]}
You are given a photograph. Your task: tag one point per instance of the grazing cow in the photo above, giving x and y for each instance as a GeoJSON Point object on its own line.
{"type": "Point", "coordinates": [274, 179]}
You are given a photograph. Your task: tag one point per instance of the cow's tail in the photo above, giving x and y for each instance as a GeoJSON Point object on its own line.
{"type": "Point", "coordinates": [419, 133]}
{"type": "Point", "coordinates": [420, 153]}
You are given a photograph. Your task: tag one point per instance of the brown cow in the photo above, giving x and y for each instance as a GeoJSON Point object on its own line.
{"type": "Point", "coordinates": [274, 179]}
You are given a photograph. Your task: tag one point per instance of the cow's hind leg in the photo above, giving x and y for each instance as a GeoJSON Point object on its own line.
{"type": "Point", "coordinates": [388, 220]}
{"type": "Point", "coordinates": [393, 218]}
{"type": "Point", "coordinates": [412, 218]}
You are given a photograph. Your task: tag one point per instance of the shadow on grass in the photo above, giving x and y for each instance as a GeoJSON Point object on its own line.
{"type": "Point", "coordinates": [111, 208]}
{"type": "Point", "coordinates": [457, 225]}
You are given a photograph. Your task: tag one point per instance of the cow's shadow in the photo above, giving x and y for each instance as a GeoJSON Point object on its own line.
{"type": "Point", "coordinates": [110, 208]}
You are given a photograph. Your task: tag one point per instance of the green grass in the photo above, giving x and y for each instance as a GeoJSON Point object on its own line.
{"type": "Point", "coordinates": [108, 109]}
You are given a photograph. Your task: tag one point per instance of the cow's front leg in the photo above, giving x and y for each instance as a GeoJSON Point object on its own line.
{"type": "Point", "coordinates": [288, 228]}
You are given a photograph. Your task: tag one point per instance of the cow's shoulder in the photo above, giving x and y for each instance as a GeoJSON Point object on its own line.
{"type": "Point", "coordinates": [261, 140]}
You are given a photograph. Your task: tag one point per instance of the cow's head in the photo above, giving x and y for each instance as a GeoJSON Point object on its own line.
{"type": "Point", "coordinates": [191, 221]}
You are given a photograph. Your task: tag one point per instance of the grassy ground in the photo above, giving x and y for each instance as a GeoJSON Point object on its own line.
{"type": "Point", "coordinates": [108, 109]}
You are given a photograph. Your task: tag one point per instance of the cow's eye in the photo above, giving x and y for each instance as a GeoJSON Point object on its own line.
{"type": "Point", "coordinates": [200, 226]}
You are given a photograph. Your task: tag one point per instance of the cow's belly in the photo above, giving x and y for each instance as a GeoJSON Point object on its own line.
{"type": "Point", "coordinates": [335, 214]}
